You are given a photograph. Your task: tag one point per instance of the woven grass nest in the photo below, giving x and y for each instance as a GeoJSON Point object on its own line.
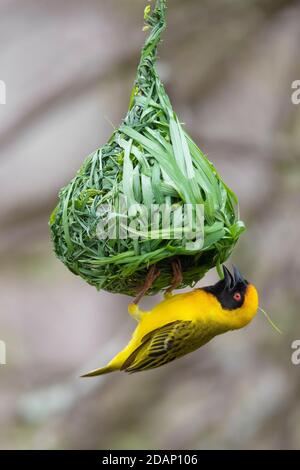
{"type": "Point", "coordinates": [149, 159]}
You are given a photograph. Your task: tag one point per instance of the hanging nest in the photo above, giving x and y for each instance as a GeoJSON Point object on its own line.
{"type": "Point", "coordinates": [149, 159]}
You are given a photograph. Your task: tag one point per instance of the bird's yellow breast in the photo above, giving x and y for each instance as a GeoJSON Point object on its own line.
{"type": "Point", "coordinates": [196, 306]}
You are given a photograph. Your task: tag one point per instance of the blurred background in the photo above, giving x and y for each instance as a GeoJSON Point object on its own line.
{"type": "Point", "coordinates": [69, 67]}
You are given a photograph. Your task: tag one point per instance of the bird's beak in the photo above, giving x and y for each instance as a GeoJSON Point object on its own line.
{"type": "Point", "coordinates": [238, 277]}
{"type": "Point", "coordinates": [229, 281]}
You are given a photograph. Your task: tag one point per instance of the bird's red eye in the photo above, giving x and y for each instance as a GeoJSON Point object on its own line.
{"type": "Point", "coordinates": [237, 296]}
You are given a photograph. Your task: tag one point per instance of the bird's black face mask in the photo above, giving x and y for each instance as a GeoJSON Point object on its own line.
{"type": "Point", "coordinates": [231, 290]}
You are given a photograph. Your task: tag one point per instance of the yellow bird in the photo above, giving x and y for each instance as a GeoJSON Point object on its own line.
{"type": "Point", "coordinates": [182, 323]}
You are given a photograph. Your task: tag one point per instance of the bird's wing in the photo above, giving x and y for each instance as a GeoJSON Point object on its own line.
{"type": "Point", "coordinates": [159, 347]}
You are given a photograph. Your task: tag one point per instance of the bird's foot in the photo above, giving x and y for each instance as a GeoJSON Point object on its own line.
{"type": "Point", "coordinates": [177, 278]}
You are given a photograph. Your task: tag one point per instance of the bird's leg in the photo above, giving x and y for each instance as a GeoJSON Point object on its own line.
{"type": "Point", "coordinates": [133, 308]}
{"type": "Point", "coordinates": [177, 278]}
{"type": "Point", "coordinates": [152, 275]}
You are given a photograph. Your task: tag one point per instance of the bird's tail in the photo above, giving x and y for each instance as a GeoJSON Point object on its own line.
{"type": "Point", "coordinates": [104, 370]}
